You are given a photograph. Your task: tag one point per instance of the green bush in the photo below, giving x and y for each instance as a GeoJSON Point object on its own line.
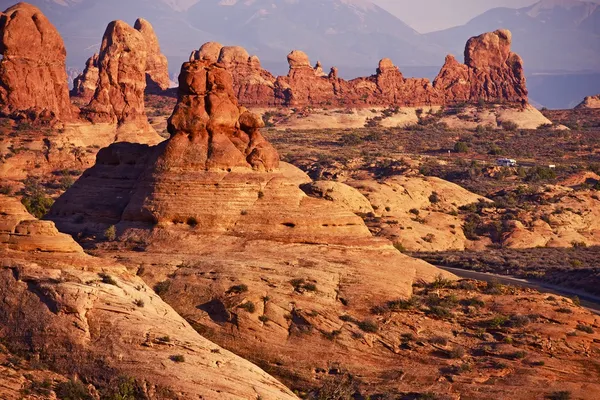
{"type": "Point", "coordinates": [35, 199]}
{"type": "Point", "coordinates": [248, 306]}
{"type": "Point", "coordinates": [461, 147]}
{"type": "Point", "coordinates": [238, 289]}
{"type": "Point", "coordinates": [368, 326]}
{"type": "Point", "coordinates": [72, 390]}
{"type": "Point", "coordinates": [110, 233]}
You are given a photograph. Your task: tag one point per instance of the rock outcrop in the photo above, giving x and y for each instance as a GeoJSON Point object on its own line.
{"type": "Point", "coordinates": [491, 73]}
{"type": "Point", "coordinates": [85, 84]}
{"type": "Point", "coordinates": [251, 83]}
{"type": "Point", "coordinates": [590, 102]}
{"type": "Point", "coordinates": [156, 64]}
{"type": "Point", "coordinates": [213, 193]}
{"type": "Point", "coordinates": [157, 67]}
{"type": "Point", "coordinates": [119, 95]}
{"type": "Point", "coordinates": [33, 77]}
{"type": "Point", "coordinates": [92, 319]}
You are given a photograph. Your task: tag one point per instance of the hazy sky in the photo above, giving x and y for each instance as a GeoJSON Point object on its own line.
{"type": "Point", "coordinates": [432, 15]}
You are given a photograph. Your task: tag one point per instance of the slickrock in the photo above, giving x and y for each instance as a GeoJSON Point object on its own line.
{"type": "Point", "coordinates": [119, 96]}
{"type": "Point", "coordinates": [157, 67]}
{"type": "Point", "coordinates": [491, 73]}
{"type": "Point", "coordinates": [85, 84]}
{"type": "Point", "coordinates": [590, 102]}
{"type": "Point", "coordinates": [20, 231]}
{"type": "Point", "coordinates": [33, 76]}
{"type": "Point", "coordinates": [90, 318]}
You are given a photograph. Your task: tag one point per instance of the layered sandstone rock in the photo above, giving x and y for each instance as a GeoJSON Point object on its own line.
{"type": "Point", "coordinates": [491, 73]}
{"type": "Point", "coordinates": [119, 96]}
{"type": "Point", "coordinates": [33, 76]}
{"type": "Point", "coordinates": [92, 319]}
{"type": "Point", "coordinates": [157, 67]}
{"type": "Point", "coordinates": [85, 84]}
{"type": "Point", "coordinates": [590, 102]}
{"type": "Point", "coordinates": [20, 231]}
{"type": "Point", "coordinates": [213, 198]}
{"type": "Point", "coordinates": [252, 84]}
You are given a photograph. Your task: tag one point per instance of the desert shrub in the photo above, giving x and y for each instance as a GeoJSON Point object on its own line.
{"type": "Point", "coordinates": [139, 303]}
{"type": "Point", "coordinates": [440, 282]}
{"type": "Point", "coordinates": [248, 306]}
{"type": "Point", "coordinates": [517, 355]}
{"type": "Point", "coordinates": [434, 198]}
{"type": "Point", "coordinates": [338, 387]}
{"type": "Point", "coordinates": [562, 395]}
{"type": "Point", "coordinates": [192, 221]}
{"type": "Point", "coordinates": [369, 326]}
{"type": "Point", "coordinates": [461, 147]}
{"type": "Point", "coordinates": [238, 289]}
{"type": "Point", "coordinates": [510, 126]}
{"type": "Point", "coordinates": [162, 287]}
{"type": "Point", "coordinates": [300, 285]}
{"type": "Point", "coordinates": [538, 173]}
{"type": "Point", "coordinates": [263, 318]}
{"type": "Point", "coordinates": [585, 328]}
{"type": "Point", "coordinates": [123, 389]}
{"type": "Point", "coordinates": [495, 150]}
{"type": "Point", "coordinates": [457, 352]}
{"type": "Point", "coordinates": [397, 305]}
{"type": "Point", "coordinates": [35, 199]}
{"type": "Point", "coordinates": [564, 310]}
{"type": "Point", "coordinates": [107, 279]}
{"type": "Point", "coordinates": [350, 139]}
{"type": "Point", "coordinates": [42, 388]}
{"type": "Point", "coordinates": [400, 247]}
{"type": "Point", "coordinates": [473, 302]}
{"type": "Point", "coordinates": [110, 233]}
{"type": "Point", "coordinates": [164, 339]}
{"type": "Point", "coordinates": [72, 390]}
{"type": "Point", "coordinates": [178, 358]}
{"type": "Point", "coordinates": [439, 340]}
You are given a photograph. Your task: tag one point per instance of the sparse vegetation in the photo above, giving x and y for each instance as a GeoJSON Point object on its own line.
{"type": "Point", "coordinates": [177, 358]}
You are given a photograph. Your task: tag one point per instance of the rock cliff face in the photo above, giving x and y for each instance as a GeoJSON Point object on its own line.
{"type": "Point", "coordinates": [251, 83]}
{"type": "Point", "coordinates": [91, 318]}
{"type": "Point", "coordinates": [156, 64]}
{"type": "Point", "coordinates": [33, 77]}
{"type": "Point", "coordinates": [119, 95]}
{"type": "Point", "coordinates": [491, 73]}
{"type": "Point", "coordinates": [85, 84]}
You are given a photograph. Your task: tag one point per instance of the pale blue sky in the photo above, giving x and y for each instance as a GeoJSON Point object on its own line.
{"type": "Point", "coordinates": [433, 15]}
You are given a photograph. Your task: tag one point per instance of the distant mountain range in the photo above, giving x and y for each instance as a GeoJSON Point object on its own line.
{"type": "Point", "coordinates": [553, 36]}
{"type": "Point", "coordinates": [549, 35]}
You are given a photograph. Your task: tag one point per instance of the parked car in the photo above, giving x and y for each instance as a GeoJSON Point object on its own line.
{"type": "Point", "coordinates": [506, 162]}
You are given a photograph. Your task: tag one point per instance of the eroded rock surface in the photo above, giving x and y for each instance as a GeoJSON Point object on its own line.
{"type": "Point", "coordinates": [157, 67]}
{"type": "Point", "coordinates": [33, 75]}
{"type": "Point", "coordinates": [491, 73]}
{"type": "Point", "coordinates": [119, 96]}
{"type": "Point", "coordinates": [85, 84]}
{"type": "Point", "coordinates": [590, 102]}
{"type": "Point", "coordinates": [90, 318]}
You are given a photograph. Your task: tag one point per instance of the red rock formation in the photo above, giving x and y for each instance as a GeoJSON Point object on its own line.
{"type": "Point", "coordinates": [252, 84]}
{"type": "Point", "coordinates": [33, 77]}
{"type": "Point", "coordinates": [590, 102]}
{"type": "Point", "coordinates": [119, 97]}
{"type": "Point", "coordinates": [84, 85]}
{"type": "Point", "coordinates": [491, 73]}
{"type": "Point", "coordinates": [208, 128]}
{"type": "Point", "coordinates": [157, 67]}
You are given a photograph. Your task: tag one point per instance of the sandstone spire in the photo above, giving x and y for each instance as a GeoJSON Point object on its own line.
{"type": "Point", "coordinates": [33, 76]}
{"type": "Point", "coordinates": [157, 67]}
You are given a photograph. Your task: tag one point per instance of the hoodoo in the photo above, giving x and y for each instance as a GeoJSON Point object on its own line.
{"type": "Point", "coordinates": [33, 76]}
{"type": "Point", "coordinates": [491, 73]}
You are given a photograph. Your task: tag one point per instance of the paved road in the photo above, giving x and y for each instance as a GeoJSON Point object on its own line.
{"type": "Point", "coordinates": [589, 301]}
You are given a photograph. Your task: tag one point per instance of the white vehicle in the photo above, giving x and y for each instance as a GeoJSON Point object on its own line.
{"type": "Point", "coordinates": [506, 162]}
